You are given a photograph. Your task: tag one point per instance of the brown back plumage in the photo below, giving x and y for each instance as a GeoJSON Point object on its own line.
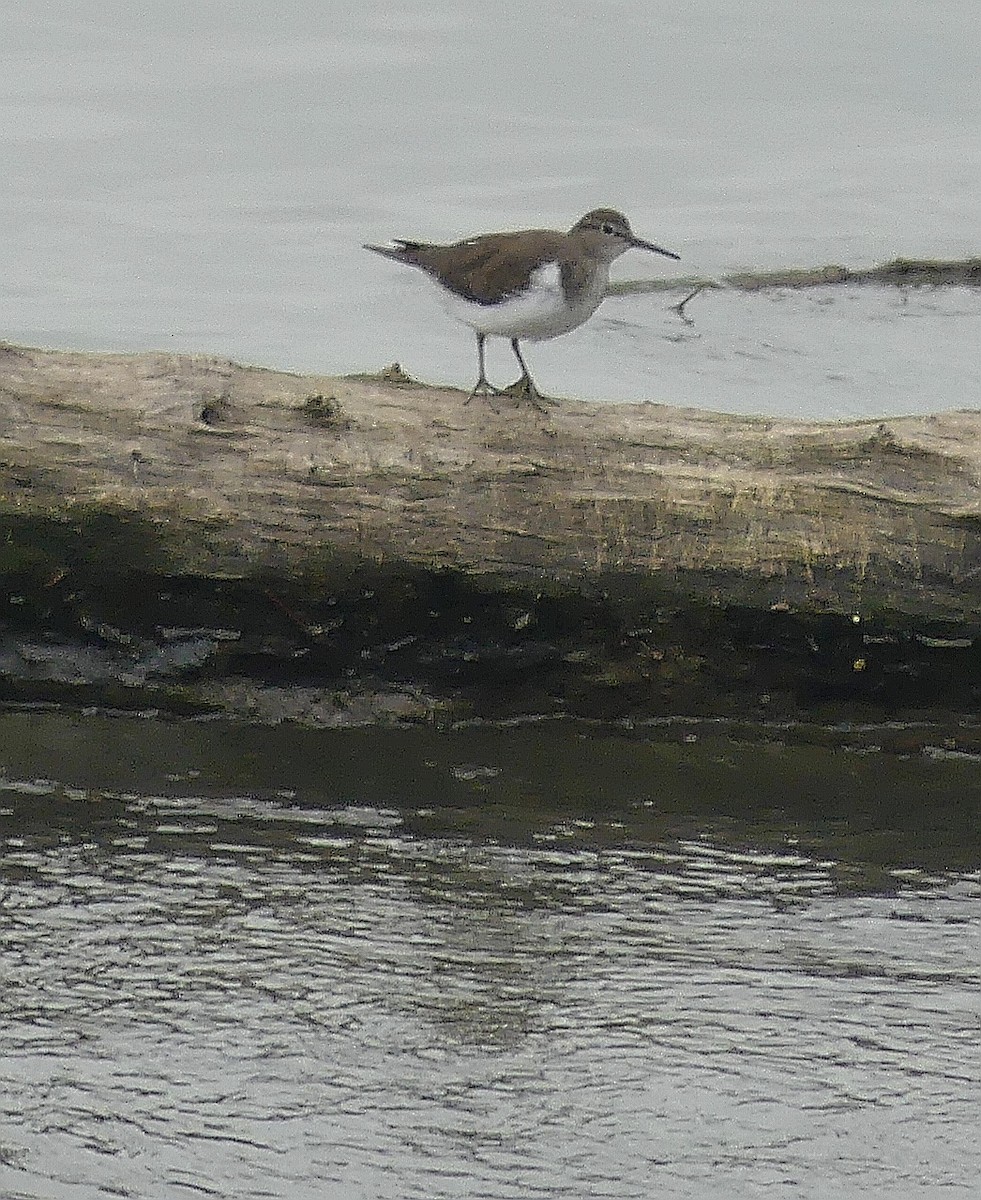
{"type": "Point", "coordinates": [486, 269]}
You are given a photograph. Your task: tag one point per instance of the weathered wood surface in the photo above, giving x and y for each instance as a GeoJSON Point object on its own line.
{"type": "Point", "coordinates": [244, 471]}
{"type": "Point", "coordinates": [369, 549]}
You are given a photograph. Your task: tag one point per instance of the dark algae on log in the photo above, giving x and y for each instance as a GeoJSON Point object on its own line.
{"type": "Point", "coordinates": [382, 641]}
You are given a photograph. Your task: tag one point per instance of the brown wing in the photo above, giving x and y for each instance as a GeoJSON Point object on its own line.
{"type": "Point", "coordinates": [485, 269]}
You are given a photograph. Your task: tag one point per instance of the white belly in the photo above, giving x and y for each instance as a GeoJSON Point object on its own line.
{"type": "Point", "coordinates": [536, 314]}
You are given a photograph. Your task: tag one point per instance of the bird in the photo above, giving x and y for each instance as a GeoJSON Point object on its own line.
{"type": "Point", "coordinates": [526, 285]}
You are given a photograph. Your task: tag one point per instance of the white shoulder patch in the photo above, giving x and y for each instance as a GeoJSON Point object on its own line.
{"type": "Point", "coordinates": [548, 277]}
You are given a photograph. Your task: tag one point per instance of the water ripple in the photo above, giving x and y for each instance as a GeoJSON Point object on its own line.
{"type": "Point", "coordinates": [209, 992]}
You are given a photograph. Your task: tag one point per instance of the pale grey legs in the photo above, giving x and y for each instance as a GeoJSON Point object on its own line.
{"type": "Point", "coordinates": [521, 388]}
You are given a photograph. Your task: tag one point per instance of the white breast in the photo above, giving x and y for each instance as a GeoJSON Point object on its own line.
{"type": "Point", "coordinates": [538, 313]}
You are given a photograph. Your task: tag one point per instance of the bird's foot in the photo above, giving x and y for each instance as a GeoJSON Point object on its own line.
{"type": "Point", "coordinates": [524, 389]}
{"type": "Point", "coordinates": [483, 388]}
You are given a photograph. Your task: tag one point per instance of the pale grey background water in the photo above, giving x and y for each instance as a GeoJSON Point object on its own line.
{"type": "Point", "coordinates": [201, 177]}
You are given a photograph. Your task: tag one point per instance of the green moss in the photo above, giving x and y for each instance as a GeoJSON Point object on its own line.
{"type": "Point", "coordinates": [324, 410]}
{"type": "Point", "coordinates": [392, 374]}
{"type": "Point", "coordinates": [89, 541]}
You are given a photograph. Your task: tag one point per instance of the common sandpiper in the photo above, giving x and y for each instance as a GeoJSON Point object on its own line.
{"type": "Point", "coordinates": [529, 285]}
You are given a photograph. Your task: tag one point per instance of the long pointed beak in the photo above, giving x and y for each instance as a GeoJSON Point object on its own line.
{"type": "Point", "coordinates": [640, 244]}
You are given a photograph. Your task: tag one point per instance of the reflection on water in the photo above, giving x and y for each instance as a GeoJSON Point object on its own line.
{"type": "Point", "coordinates": [486, 963]}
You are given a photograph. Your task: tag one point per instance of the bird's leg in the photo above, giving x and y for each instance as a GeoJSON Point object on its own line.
{"type": "Point", "coordinates": [525, 386]}
{"type": "Point", "coordinates": [482, 387]}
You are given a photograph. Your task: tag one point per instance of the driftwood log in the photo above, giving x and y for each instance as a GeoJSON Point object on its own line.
{"type": "Point", "coordinates": [190, 532]}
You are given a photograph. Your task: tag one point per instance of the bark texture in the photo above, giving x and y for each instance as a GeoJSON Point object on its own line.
{"type": "Point", "coordinates": [636, 549]}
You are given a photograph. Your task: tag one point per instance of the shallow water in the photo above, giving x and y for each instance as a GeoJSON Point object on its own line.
{"type": "Point", "coordinates": [531, 961]}
{"type": "Point", "coordinates": [202, 178]}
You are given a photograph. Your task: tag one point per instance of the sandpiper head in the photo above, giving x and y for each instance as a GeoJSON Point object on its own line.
{"type": "Point", "coordinates": [610, 235]}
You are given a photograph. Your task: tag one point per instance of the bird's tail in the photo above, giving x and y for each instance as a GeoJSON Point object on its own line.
{"type": "Point", "coordinates": [402, 251]}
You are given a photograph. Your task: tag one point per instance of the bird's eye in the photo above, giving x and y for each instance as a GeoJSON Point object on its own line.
{"type": "Point", "coordinates": [607, 227]}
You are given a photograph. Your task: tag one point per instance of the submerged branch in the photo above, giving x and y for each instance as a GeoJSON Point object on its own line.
{"type": "Point", "coordinates": [900, 272]}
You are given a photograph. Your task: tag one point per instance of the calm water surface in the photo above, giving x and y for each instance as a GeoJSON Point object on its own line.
{"type": "Point", "coordinates": [202, 177]}
{"type": "Point", "coordinates": [536, 961]}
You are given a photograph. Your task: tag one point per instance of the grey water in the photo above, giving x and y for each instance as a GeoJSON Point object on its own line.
{"type": "Point", "coordinates": [486, 962]}
{"type": "Point", "coordinates": [202, 177]}
{"type": "Point", "coordinates": [536, 961]}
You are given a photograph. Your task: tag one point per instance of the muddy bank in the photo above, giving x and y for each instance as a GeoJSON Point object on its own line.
{"type": "Point", "coordinates": [191, 535]}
